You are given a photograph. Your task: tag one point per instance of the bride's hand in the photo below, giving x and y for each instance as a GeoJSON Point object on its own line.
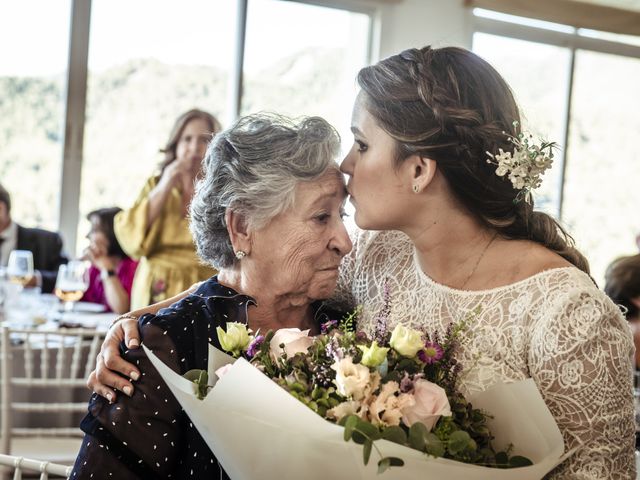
{"type": "Point", "coordinates": [112, 372]}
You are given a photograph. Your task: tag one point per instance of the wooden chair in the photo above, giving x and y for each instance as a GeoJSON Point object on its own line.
{"type": "Point", "coordinates": [49, 366]}
{"type": "Point", "coordinates": [20, 465]}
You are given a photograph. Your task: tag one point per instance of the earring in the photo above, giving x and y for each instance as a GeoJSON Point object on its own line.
{"type": "Point", "coordinates": [416, 188]}
{"type": "Point", "coordinates": [240, 254]}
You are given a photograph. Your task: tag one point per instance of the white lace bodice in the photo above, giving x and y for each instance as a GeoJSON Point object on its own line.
{"type": "Point", "coordinates": [556, 327]}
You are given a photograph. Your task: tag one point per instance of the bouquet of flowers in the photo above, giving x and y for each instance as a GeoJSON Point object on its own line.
{"type": "Point", "coordinates": [397, 394]}
{"type": "Point", "coordinates": [399, 387]}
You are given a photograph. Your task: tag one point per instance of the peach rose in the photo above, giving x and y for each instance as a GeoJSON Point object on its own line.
{"type": "Point", "coordinates": [431, 403]}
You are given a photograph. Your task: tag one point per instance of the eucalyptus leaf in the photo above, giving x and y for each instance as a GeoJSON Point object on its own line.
{"type": "Point", "coordinates": [433, 445]}
{"type": "Point", "coordinates": [383, 465]}
{"type": "Point", "coordinates": [368, 429]}
{"type": "Point", "coordinates": [502, 458]}
{"type": "Point", "coordinates": [519, 461]}
{"type": "Point", "coordinates": [395, 434]}
{"type": "Point", "coordinates": [459, 441]}
{"type": "Point", "coordinates": [366, 451]}
{"type": "Point", "coordinates": [349, 426]}
{"type": "Point", "coordinates": [418, 436]}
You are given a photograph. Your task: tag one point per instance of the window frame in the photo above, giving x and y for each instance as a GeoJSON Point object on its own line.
{"type": "Point", "coordinates": [75, 98]}
{"type": "Point", "coordinates": [572, 40]}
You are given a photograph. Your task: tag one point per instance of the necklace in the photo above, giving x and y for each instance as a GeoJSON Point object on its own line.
{"type": "Point", "coordinates": [475, 267]}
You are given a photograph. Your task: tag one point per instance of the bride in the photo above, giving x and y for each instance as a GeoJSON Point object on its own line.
{"type": "Point", "coordinates": [448, 225]}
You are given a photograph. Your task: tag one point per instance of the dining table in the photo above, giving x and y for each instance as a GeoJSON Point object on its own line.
{"type": "Point", "coordinates": [29, 309]}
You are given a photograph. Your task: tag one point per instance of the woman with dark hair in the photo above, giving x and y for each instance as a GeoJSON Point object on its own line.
{"type": "Point", "coordinates": [155, 229]}
{"type": "Point", "coordinates": [111, 272]}
{"type": "Point", "coordinates": [622, 284]}
{"type": "Point", "coordinates": [441, 182]}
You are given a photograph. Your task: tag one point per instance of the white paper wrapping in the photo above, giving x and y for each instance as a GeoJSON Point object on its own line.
{"type": "Point", "coordinates": [257, 430]}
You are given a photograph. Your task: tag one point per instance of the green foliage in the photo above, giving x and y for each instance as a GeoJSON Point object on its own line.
{"type": "Point", "coordinates": [200, 379]}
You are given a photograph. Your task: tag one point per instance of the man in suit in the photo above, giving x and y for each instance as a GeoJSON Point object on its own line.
{"type": "Point", "coordinates": [46, 246]}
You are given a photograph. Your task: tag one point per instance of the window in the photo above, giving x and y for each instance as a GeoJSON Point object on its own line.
{"type": "Point", "coordinates": [166, 58]}
{"type": "Point", "coordinates": [603, 163]}
{"type": "Point", "coordinates": [303, 60]}
{"type": "Point", "coordinates": [538, 76]}
{"type": "Point", "coordinates": [33, 66]}
{"type": "Point", "coordinates": [602, 168]}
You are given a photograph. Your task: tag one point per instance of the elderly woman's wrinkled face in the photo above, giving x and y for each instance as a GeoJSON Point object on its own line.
{"type": "Point", "coordinates": [299, 251]}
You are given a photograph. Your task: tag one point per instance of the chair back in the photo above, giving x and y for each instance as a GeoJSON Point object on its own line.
{"type": "Point", "coordinates": [48, 367]}
{"type": "Point", "coordinates": [20, 465]}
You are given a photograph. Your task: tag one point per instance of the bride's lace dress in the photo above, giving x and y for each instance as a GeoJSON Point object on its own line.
{"type": "Point", "coordinates": [556, 327]}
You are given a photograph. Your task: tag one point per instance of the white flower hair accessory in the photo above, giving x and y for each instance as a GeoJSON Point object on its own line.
{"type": "Point", "coordinates": [525, 165]}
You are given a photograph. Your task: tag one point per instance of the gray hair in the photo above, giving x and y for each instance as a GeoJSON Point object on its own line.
{"type": "Point", "coordinates": [253, 168]}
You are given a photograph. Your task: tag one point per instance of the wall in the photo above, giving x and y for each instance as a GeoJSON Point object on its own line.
{"type": "Point", "coordinates": [415, 23]}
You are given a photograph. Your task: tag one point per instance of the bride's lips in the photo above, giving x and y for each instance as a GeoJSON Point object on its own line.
{"type": "Point", "coordinates": [351, 198]}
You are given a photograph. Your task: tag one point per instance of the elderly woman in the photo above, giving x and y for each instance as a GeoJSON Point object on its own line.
{"type": "Point", "coordinates": [268, 215]}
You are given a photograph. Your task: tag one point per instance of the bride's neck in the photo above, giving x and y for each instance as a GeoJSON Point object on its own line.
{"type": "Point", "coordinates": [447, 239]}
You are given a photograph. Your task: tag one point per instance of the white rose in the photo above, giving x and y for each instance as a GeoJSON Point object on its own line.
{"type": "Point", "coordinates": [406, 341]}
{"type": "Point", "coordinates": [294, 341]}
{"type": "Point", "coordinates": [431, 403]}
{"type": "Point", "coordinates": [351, 379]}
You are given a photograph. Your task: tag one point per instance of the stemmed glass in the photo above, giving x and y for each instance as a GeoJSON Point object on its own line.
{"type": "Point", "coordinates": [20, 267]}
{"type": "Point", "coordinates": [71, 283]}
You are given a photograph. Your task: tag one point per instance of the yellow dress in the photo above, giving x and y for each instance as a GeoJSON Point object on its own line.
{"type": "Point", "coordinates": [168, 260]}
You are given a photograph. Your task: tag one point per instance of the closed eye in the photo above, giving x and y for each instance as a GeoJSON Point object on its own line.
{"type": "Point", "coordinates": [362, 147]}
{"type": "Point", "coordinates": [322, 218]}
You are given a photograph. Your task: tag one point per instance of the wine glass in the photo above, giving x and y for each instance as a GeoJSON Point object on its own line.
{"type": "Point", "coordinates": [71, 283]}
{"type": "Point", "coordinates": [20, 267]}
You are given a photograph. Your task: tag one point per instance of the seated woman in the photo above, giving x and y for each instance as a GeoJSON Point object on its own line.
{"type": "Point", "coordinates": [622, 284]}
{"type": "Point", "coordinates": [112, 271]}
{"type": "Point", "coordinates": [268, 215]}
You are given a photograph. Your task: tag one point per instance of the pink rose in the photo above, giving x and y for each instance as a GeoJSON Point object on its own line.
{"type": "Point", "coordinates": [431, 403]}
{"type": "Point", "coordinates": [294, 341]}
{"type": "Point", "coordinates": [222, 371]}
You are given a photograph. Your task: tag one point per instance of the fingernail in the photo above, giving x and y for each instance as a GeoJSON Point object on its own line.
{"type": "Point", "coordinates": [134, 376]}
{"type": "Point", "coordinates": [110, 397]}
{"type": "Point", "coordinates": [127, 390]}
{"type": "Point", "coordinates": [133, 343]}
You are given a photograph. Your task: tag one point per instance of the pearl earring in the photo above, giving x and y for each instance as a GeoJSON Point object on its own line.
{"type": "Point", "coordinates": [240, 254]}
{"type": "Point", "coordinates": [416, 188]}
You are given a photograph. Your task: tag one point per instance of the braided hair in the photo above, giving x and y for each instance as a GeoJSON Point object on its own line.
{"type": "Point", "coordinates": [450, 105]}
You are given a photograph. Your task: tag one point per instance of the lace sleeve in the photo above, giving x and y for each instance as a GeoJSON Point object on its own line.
{"type": "Point", "coordinates": [581, 358]}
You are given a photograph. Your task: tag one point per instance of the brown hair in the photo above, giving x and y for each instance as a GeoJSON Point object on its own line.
{"type": "Point", "coordinates": [622, 283]}
{"type": "Point", "coordinates": [105, 218]}
{"type": "Point", "coordinates": [450, 105]}
{"type": "Point", "coordinates": [170, 149]}
{"type": "Point", "coordinates": [5, 197]}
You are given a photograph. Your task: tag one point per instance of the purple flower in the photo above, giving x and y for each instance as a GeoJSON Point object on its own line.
{"type": "Point", "coordinates": [334, 350]}
{"type": "Point", "coordinates": [381, 320]}
{"type": "Point", "coordinates": [327, 326]}
{"type": "Point", "coordinates": [431, 353]}
{"type": "Point", "coordinates": [254, 346]}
